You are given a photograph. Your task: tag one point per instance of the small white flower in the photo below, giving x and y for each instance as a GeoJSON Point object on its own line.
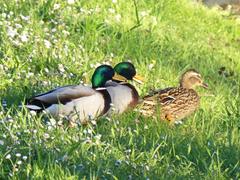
{"type": "Point", "coordinates": [150, 66]}
{"type": "Point", "coordinates": [18, 26]}
{"type": "Point", "coordinates": [98, 136]}
{"type": "Point", "coordinates": [8, 156]}
{"type": "Point", "coordinates": [18, 155]}
{"type": "Point", "coordinates": [4, 15]}
{"type": "Point", "coordinates": [54, 30]}
{"type": "Point", "coordinates": [30, 74]}
{"type": "Point", "coordinates": [24, 38]}
{"type": "Point", "coordinates": [111, 10]}
{"type": "Point", "coordinates": [147, 167]}
{"type": "Point", "coordinates": [61, 68]}
{"type": "Point", "coordinates": [11, 32]}
{"type": "Point", "coordinates": [89, 131]}
{"type": "Point", "coordinates": [143, 13]}
{"type": "Point", "coordinates": [118, 17]}
{"type": "Point", "coordinates": [1, 142]}
{"type": "Point", "coordinates": [24, 158]}
{"type": "Point", "coordinates": [94, 122]}
{"type": "Point", "coordinates": [53, 122]}
{"type": "Point", "coordinates": [46, 135]}
{"type": "Point", "coordinates": [19, 162]}
{"type": "Point", "coordinates": [25, 18]}
{"type": "Point", "coordinates": [56, 6]}
{"type": "Point", "coordinates": [47, 43]}
{"type": "Point", "coordinates": [70, 1]}
{"type": "Point", "coordinates": [66, 33]}
{"type": "Point", "coordinates": [114, 1]}
{"type": "Point", "coordinates": [46, 70]}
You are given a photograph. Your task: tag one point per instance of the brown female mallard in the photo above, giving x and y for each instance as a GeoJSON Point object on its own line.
{"type": "Point", "coordinates": [175, 103]}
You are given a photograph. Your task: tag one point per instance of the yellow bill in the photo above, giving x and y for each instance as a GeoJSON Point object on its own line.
{"type": "Point", "coordinates": [138, 79]}
{"type": "Point", "coordinates": [118, 77]}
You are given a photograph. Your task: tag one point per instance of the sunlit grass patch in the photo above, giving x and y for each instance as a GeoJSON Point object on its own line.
{"type": "Point", "coordinates": [54, 43]}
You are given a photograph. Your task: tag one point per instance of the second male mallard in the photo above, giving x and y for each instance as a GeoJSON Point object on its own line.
{"type": "Point", "coordinates": [175, 103]}
{"type": "Point", "coordinates": [123, 94]}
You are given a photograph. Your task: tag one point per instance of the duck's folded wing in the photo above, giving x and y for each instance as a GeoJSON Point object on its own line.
{"type": "Point", "coordinates": [61, 95]}
{"type": "Point", "coordinates": [162, 96]}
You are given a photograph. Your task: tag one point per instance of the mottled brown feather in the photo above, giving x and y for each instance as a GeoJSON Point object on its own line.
{"type": "Point", "coordinates": [175, 103]}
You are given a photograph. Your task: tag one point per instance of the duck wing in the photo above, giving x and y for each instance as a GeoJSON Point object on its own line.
{"type": "Point", "coordinates": [164, 96]}
{"type": "Point", "coordinates": [61, 95]}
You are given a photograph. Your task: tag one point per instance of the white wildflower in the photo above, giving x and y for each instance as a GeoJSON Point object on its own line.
{"type": "Point", "coordinates": [56, 6]}
{"type": "Point", "coordinates": [30, 74]}
{"type": "Point", "coordinates": [94, 122]}
{"type": "Point", "coordinates": [150, 66]}
{"type": "Point", "coordinates": [11, 32]}
{"type": "Point", "coordinates": [24, 37]}
{"type": "Point", "coordinates": [47, 43]}
{"type": "Point", "coordinates": [46, 135]}
{"type": "Point", "coordinates": [61, 68]}
{"type": "Point", "coordinates": [66, 33]}
{"type": "Point", "coordinates": [54, 30]}
{"type": "Point", "coordinates": [18, 155]}
{"type": "Point", "coordinates": [111, 10]}
{"type": "Point", "coordinates": [46, 70]}
{"type": "Point", "coordinates": [70, 1]}
{"type": "Point", "coordinates": [144, 13]}
{"type": "Point", "coordinates": [114, 1]}
{"type": "Point", "coordinates": [19, 26]}
{"type": "Point", "coordinates": [1, 142]}
{"type": "Point", "coordinates": [89, 131]}
{"type": "Point", "coordinates": [118, 17]}
{"type": "Point", "coordinates": [25, 18]}
{"type": "Point", "coordinates": [8, 156]}
{"type": "Point", "coordinates": [4, 15]}
{"type": "Point", "coordinates": [53, 122]}
{"type": "Point", "coordinates": [19, 162]}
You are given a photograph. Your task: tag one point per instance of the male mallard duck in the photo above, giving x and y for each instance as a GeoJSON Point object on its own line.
{"type": "Point", "coordinates": [175, 103]}
{"type": "Point", "coordinates": [77, 102]}
{"type": "Point", "coordinates": [123, 94]}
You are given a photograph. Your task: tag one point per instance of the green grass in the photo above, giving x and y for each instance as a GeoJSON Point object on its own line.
{"type": "Point", "coordinates": [173, 35]}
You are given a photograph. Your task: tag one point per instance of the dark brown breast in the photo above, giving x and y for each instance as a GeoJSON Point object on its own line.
{"type": "Point", "coordinates": [135, 95]}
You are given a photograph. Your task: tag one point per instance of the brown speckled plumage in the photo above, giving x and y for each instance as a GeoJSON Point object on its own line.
{"type": "Point", "coordinates": [174, 103]}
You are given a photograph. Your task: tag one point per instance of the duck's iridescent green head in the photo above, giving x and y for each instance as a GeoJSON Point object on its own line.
{"type": "Point", "coordinates": [101, 75]}
{"type": "Point", "coordinates": [128, 71]}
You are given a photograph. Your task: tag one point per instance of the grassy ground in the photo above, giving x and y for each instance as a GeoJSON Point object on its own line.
{"type": "Point", "coordinates": [53, 43]}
